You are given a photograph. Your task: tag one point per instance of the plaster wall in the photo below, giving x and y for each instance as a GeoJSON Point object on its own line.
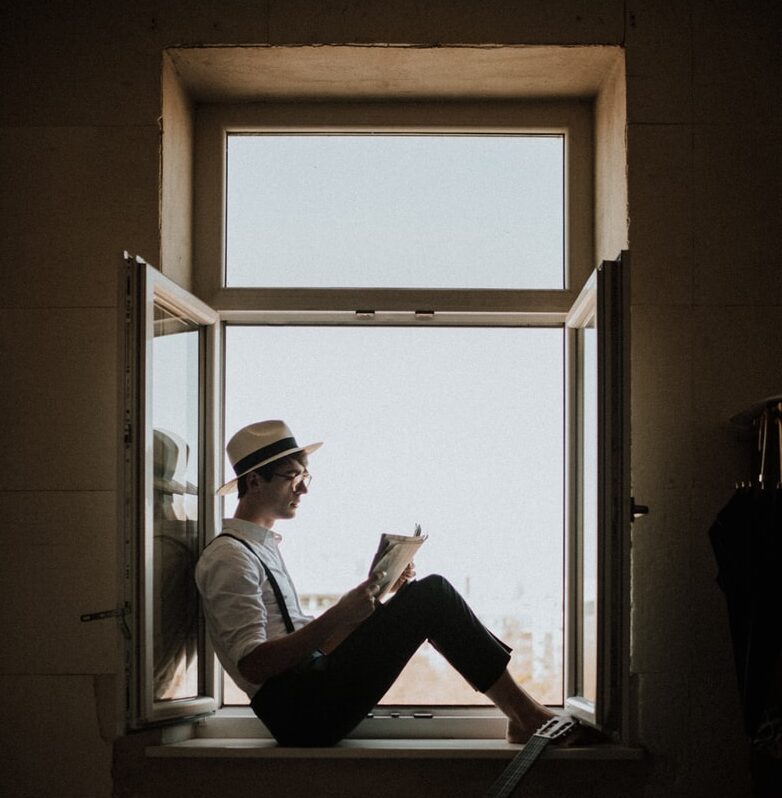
{"type": "Point", "coordinates": [176, 184]}
{"type": "Point", "coordinates": [611, 166]}
{"type": "Point", "coordinates": [80, 167]}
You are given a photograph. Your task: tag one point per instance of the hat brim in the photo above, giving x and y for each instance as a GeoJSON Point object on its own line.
{"type": "Point", "coordinates": [230, 486]}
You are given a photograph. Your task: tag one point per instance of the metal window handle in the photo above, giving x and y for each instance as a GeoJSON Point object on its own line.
{"type": "Point", "coordinates": [637, 510]}
{"type": "Point", "coordinates": [120, 613]}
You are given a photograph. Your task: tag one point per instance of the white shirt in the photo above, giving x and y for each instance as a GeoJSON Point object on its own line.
{"type": "Point", "coordinates": [239, 604]}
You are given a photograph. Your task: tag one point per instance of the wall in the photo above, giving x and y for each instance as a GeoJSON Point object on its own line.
{"type": "Point", "coordinates": [611, 166]}
{"type": "Point", "coordinates": [80, 168]}
{"type": "Point", "coordinates": [176, 179]}
{"type": "Point", "coordinates": [706, 325]}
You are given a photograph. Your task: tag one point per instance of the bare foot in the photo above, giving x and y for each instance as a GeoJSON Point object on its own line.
{"type": "Point", "coordinates": [519, 733]}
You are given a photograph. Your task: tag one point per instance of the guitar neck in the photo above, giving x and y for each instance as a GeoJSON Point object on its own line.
{"type": "Point", "coordinates": [522, 762]}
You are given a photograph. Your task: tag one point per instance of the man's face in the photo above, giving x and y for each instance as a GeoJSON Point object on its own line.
{"type": "Point", "coordinates": [279, 498]}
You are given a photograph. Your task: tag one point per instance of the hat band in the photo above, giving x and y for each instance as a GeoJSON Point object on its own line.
{"type": "Point", "coordinates": [259, 456]}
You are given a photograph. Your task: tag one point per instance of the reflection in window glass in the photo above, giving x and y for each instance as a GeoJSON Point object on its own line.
{"type": "Point", "coordinates": [385, 211]}
{"type": "Point", "coordinates": [175, 392]}
{"type": "Point", "coordinates": [458, 429]}
{"type": "Point", "coordinates": [588, 348]}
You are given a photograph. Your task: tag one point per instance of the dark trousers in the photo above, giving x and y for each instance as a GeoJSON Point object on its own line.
{"type": "Point", "coordinates": [324, 698]}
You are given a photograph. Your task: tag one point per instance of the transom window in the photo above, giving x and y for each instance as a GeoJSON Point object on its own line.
{"type": "Point", "coordinates": [453, 207]}
{"type": "Point", "coordinates": [395, 211]}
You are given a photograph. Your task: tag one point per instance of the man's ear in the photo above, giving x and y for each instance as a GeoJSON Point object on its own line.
{"type": "Point", "coordinates": [253, 480]}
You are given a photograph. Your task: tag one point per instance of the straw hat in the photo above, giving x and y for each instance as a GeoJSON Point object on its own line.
{"type": "Point", "coordinates": [258, 444]}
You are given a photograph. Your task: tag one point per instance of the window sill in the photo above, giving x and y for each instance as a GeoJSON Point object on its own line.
{"type": "Point", "coordinates": [236, 733]}
{"type": "Point", "coordinates": [259, 748]}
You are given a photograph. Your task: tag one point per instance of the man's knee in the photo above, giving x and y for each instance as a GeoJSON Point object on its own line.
{"type": "Point", "coordinates": [436, 584]}
{"type": "Point", "coordinates": [427, 597]}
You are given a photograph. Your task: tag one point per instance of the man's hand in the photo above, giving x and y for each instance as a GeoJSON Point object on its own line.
{"type": "Point", "coordinates": [406, 576]}
{"type": "Point", "coordinates": [358, 604]}
{"type": "Point", "coordinates": [326, 632]}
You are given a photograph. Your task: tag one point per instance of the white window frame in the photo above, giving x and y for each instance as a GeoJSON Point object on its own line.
{"type": "Point", "coordinates": [604, 299]}
{"type": "Point", "coordinates": [603, 302]}
{"type": "Point", "coordinates": [572, 119]}
{"type": "Point", "coordinates": [144, 288]}
{"type": "Point", "coordinates": [443, 307]}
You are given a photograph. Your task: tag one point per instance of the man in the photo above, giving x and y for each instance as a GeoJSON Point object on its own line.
{"type": "Point", "coordinates": [312, 680]}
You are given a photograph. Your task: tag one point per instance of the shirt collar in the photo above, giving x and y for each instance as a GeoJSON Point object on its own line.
{"type": "Point", "coordinates": [260, 534]}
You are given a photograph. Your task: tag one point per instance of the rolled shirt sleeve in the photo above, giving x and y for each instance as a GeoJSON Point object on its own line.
{"type": "Point", "coordinates": [240, 608]}
{"type": "Point", "coordinates": [231, 587]}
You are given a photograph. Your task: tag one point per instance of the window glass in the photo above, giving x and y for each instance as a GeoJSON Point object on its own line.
{"type": "Point", "coordinates": [175, 392]}
{"type": "Point", "coordinates": [458, 429]}
{"type": "Point", "coordinates": [395, 211]}
{"type": "Point", "coordinates": [588, 392]}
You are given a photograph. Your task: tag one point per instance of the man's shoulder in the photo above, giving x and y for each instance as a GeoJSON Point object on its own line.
{"type": "Point", "coordinates": [224, 558]}
{"type": "Point", "coordinates": [222, 547]}
{"type": "Point", "coordinates": [226, 540]}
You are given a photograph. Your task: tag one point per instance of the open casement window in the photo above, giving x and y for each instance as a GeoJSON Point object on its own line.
{"type": "Point", "coordinates": [598, 499]}
{"type": "Point", "coordinates": [169, 344]}
{"type": "Point", "coordinates": [171, 453]}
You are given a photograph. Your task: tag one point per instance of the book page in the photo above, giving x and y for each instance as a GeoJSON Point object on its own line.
{"type": "Point", "coordinates": [393, 555]}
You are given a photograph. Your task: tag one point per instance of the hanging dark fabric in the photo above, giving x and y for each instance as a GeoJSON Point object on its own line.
{"type": "Point", "coordinates": [747, 542]}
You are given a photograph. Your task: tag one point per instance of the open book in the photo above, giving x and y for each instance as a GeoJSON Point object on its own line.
{"type": "Point", "coordinates": [394, 554]}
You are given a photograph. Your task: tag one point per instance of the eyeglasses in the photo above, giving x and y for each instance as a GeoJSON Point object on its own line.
{"type": "Point", "coordinates": [297, 480]}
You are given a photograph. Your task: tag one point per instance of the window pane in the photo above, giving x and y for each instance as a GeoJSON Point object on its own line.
{"type": "Point", "coordinates": [459, 429]}
{"type": "Point", "coordinates": [424, 211]}
{"type": "Point", "coordinates": [588, 349]}
{"type": "Point", "coordinates": [175, 391]}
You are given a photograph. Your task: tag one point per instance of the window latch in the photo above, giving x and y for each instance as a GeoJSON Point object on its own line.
{"type": "Point", "coordinates": [120, 612]}
{"type": "Point", "coordinates": [637, 510]}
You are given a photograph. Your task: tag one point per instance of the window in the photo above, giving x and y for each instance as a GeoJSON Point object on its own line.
{"type": "Point", "coordinates": [168, 337]}
{"type": "Point", "coordinates": [598, 497]}
{"type": "Point", "coordinates": [395, 211]}
{"type": "Point", "coordinates": [390, 254]}
{"type": "Point", "coordinates": [592, 535]}
{"type": "Point", "coordinates": [385, 211]}
{"type": "Point", "coordinates": [458, 428]}
{"type": "Point", "coordinates": [314, 311]}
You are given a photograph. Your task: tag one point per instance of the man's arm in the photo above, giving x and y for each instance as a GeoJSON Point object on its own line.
{"type": "Point", "coordinates": [271, 657]}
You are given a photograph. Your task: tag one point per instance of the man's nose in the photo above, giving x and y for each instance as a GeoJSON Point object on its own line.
{"type": "Point", "coordinates": [301, 488]}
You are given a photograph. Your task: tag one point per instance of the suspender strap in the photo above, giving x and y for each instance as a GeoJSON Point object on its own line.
{"type": "Point", "coordinates": [269, 575]}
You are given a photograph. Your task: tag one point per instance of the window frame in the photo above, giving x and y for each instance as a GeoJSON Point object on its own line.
{"type": "Point", "coordinates": [615, 513]}
{"type": "Point", "coordinates": [145, 288]}
{"type": "Point", "coordinates": [571, 118]}
{"type": "Point", "coordinates": [604, 297]}
{"type": "Point", "coordinates": [604, 301]}
{"type": "Point", "coordinates": [583, 314]}
{"type": "Point", "coordinates": [448, 719]}
{"type": "Point", "coordinates": [337, 305]}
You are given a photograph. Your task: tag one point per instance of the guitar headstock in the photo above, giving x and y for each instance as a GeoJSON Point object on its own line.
{"type": "Point", "coordinates": [557, 727]}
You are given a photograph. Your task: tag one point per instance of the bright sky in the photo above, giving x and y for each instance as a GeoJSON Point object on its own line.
{"type": "Point", "coordinates": [459, 430]}
{"type": "Point", "coordinates": [395, 211]}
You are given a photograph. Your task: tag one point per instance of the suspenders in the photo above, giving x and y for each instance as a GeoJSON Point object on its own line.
{"type": "Point", "coordinates": [275, 585]}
